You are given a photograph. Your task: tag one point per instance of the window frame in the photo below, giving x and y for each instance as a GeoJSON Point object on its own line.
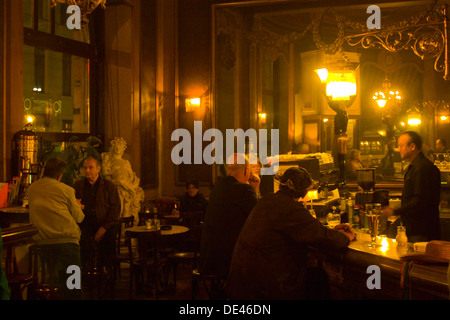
{"type": "Point", "coordinates": [50, 41]}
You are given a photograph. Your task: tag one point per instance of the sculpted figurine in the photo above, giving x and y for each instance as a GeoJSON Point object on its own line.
{"type": "Point", "coordinates": [118, 171]}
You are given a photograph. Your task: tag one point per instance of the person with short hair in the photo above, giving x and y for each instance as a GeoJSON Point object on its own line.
{"type": "Point", "coordinates": [419, 211]}
{"type": "Point", "coordinates": [230, 203]}
{"type": "Point", "coordinates": [353, 164]}
{"type": "Point", "coordinates": [270, 256]}
{"type": "Point", "coordinates": [55, 212]}
{"type": "Point", "coordinates": [192, 200]}
{"type": "Point", "coordinates": [441, 145]}
{"type": "Point", "coordinates": [102, 207]}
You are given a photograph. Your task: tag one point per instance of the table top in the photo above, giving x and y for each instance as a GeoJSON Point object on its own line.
{"type": "Point", "coordinates": [388, 249]}
{"type": "Point", "coordinates": [175, 229]}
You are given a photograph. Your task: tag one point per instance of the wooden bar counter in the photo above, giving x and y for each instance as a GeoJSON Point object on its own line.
{"type": "Point", "coordinates": [348, 273]}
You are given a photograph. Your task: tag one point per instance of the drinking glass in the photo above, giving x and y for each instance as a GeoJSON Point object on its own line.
{"type": "Point", "coordinates": [373, 220]}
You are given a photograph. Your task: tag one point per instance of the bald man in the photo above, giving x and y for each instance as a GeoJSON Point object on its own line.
{"type": "Point", "coordinates": [230, 203]}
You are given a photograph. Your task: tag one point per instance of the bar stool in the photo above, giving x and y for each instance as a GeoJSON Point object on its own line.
{"type": "Point", "coordinates": [45, 284]}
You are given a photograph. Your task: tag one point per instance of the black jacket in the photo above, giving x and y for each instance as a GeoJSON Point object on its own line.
{"type": "Point", "coordinates": [270, 256]}
{"type": "Point", "coordinates": [229, 205]}
{"type": "Point", "coordinates": [420, 199]}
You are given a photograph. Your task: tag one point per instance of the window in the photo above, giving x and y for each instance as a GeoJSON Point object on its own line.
{"type": "Point", "coordinates": [57, 71]}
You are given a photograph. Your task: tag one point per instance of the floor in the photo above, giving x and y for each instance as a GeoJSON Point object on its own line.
{"type": "Point", "coordinates": [121, 288]}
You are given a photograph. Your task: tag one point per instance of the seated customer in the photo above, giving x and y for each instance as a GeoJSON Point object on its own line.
{"type": "Point", "coordinates": [192, 200]}
{"type": "Point", "coordinates": [231, 201]}
{"type": "Point", "coordinates": [353, 164]}
{"type": "Point", "coordinates": [55, 212]}
{"type": "Point", "coordinates": [270, 256]}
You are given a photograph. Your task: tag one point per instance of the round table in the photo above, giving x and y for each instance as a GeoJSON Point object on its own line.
{"type": "Point", "coordinates": [175, 229]}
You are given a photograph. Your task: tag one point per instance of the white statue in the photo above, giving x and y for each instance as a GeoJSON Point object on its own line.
{"type": "Point", "coordinates": [118, 170]}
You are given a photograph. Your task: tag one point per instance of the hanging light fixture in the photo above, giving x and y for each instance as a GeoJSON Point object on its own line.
{"type": "Point", "coordinates": [386, 94]}
{"type": "Point", "coordinates": [86, 7]}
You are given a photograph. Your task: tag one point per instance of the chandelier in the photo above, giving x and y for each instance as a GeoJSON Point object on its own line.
{"type": "Point", "coordinates": [86, 7]}
{"type": "Point", "coordinates": [386, 95]}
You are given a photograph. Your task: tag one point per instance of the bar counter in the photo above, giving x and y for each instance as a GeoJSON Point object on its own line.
{"type": "Point", "coordinates": [348, 273]}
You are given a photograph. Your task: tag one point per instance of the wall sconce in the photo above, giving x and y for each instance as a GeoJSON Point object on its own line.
{"type": "Point", "coordinates": [262, 117]}
{"type": "Point", "coordinates": [192, 104]}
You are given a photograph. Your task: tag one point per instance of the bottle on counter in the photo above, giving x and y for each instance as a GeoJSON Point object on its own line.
{"type": "Point", "coordinates": [350, 210]}
{"type": "Point", "coordinates": [401, 238]}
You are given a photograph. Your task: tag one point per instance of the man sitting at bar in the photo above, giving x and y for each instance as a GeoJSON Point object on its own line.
{"type": "Point", "coordinates": [230, 203]}
{"type": "Point", "coordinates": [55, 212]}
{"type": "Point", "coordinates": [419, 211]}
{"type": "Point", "coordinates": [102, 210]}
{"type": "Point", "coordinates": [270, 257]}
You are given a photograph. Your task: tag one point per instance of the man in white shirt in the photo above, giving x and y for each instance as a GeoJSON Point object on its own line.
{"type": "Point", "coordinates": [55, 212]}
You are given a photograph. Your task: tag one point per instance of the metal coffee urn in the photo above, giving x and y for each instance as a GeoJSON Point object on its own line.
{"type": "Point", "coordinates": [25, 162]}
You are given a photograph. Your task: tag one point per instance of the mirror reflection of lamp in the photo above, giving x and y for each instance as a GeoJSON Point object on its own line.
{"type": "Point", "coordinates": [414, 117]}
{"type": "Point", "coordinates": [339, 82]}
{"type": "Point", "coordinates": [386, 95]}
{"type": "Point", "coordinates": [389, 102]}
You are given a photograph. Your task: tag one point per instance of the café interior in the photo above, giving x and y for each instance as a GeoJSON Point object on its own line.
{"type": "Point", "coordinates": [314, 79]}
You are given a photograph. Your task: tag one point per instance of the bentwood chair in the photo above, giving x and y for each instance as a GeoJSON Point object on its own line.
{"type": "Point", "coordinates": [190, 245]}
{"type": "Point", "coordinates": [122, 255]}
{"type": "Point", "coordinates": [148, 264]}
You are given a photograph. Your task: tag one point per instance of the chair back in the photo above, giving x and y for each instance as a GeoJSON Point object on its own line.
{"type": "Point", "coordinates": [124, 223]}
{"type": "Point", "coordinates": [148, 245]}
{"type": "Point", "coordinates": [194, 221]}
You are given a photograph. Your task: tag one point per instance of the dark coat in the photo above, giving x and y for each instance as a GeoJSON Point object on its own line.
{"type": "Point", "coordinates": [193, 204]}
{"type": "Point", "coordinates": [270, 257]}
{"type": "Point", "coordinates": [420, 199]}
{"type": "Point", "coordinates": [108, 206]}
{"type": "Point", "coordinates": [229, 205]}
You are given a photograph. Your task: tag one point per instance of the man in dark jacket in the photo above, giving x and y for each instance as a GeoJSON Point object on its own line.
{"type": "Point", "coordinates": [102, 211]}
{"type": "Point", "coordinates": [270, 257]}
{"type": "Point", "coordinates": [421, 192]}
{"type": "Point", "coordinates": [230, 203]}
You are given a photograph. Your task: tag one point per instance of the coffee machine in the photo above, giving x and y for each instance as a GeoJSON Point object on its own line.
{"type": "Point", "coordinates": [366, 180]}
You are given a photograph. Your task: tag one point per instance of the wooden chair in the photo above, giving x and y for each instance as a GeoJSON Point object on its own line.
{"type": "Point", "coordinates": [148, 263]}
{"type": "Point", "coordinates": [122, 256]}
{"type": "Point", "coordinates": [190, 246]}
{"type": "Point", "coordinates": [213, 285]}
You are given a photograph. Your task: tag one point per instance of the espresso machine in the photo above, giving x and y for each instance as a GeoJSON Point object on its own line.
{"type": "Point", "coordinates": [366, 180]}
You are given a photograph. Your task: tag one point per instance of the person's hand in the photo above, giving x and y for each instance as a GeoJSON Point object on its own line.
{"type": "Point", "coordinates": [175, 212]}
{"type": "Point", "coordinates": [80, 204]}
{"type": "Point", "coordinates": [388, 211]}
{"type": "Point", "coordinates": [100, 233]}
{"type": "Point", "coordinates": [347, 230]}
{"type": "Point", "coordinates": [254, 181]}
